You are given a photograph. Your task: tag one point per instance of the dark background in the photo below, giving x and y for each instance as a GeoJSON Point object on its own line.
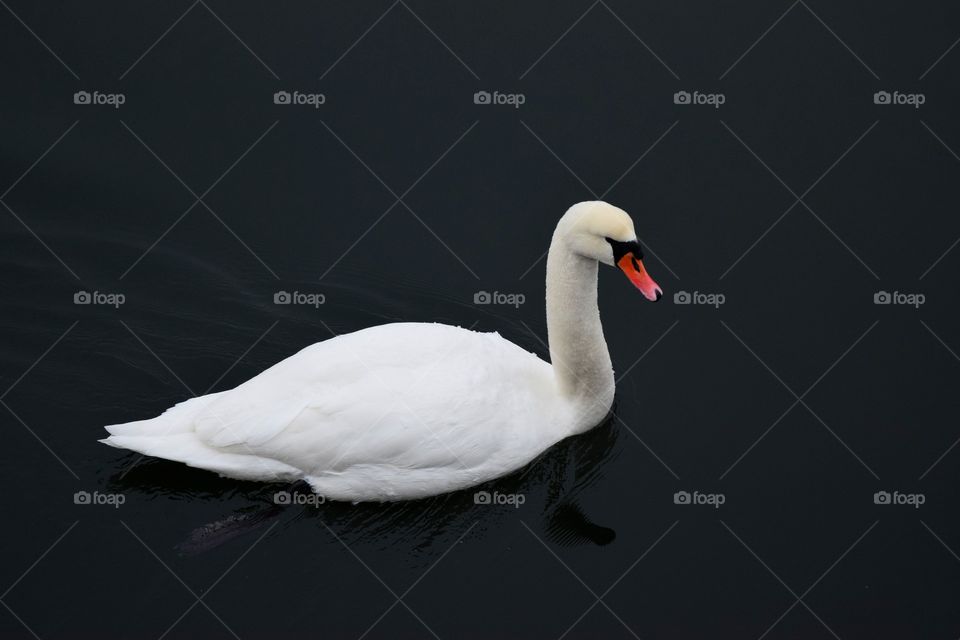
{"type": "Point", "coordinates": [298, 202]}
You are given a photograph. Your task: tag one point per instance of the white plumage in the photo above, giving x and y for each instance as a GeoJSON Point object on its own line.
{"type": "Point", "coordinates": [408, 410]}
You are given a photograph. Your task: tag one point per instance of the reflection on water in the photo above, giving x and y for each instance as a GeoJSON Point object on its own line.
{"type": "Point", "coordinates": [549, 487]}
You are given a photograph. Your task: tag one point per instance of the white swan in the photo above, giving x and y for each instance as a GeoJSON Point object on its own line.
{"type": "Point", "coordinates": [409, 410]}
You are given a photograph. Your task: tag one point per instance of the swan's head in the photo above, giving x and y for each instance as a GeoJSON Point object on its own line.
{"type": "Point", "coordinates": [605, 233]}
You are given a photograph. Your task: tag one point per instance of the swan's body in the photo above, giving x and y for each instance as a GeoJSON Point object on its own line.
{"type": "Point", "coordinates": [397, 411]}
{"type": "Point", "coordinates": [408, 410]}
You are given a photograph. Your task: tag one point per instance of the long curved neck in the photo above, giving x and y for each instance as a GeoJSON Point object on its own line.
{"type": "Point", "coordinates": [578, 351]}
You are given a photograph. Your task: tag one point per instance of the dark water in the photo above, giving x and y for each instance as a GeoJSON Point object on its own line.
{"type": "Point", "coordinates": [794, 402]}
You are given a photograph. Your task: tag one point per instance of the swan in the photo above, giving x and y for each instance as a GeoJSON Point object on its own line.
{"type": "Point", "coordinates": [409, 410]}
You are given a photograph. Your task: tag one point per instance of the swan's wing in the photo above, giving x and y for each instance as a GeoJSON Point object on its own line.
{"type": "Point", "coordinates": [409, 395]}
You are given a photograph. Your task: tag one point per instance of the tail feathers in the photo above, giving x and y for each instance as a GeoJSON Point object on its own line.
{"type": "Point", "coordinates": [171, 435]}
{"type": "Point", "coordinates": [188, 449]}
{"type": "Point", "coordinates": [177, 419]}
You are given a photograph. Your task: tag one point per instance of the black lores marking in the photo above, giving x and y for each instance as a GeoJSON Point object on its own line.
{"type": "Point", "coordinates": [621, 249]}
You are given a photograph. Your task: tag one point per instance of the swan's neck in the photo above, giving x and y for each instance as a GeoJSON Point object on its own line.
{"type": "Point", "coordinates": [581, 362]}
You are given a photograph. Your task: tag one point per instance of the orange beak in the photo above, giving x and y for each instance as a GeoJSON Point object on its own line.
{"type": "Point", "coordinates": [637, 274]}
